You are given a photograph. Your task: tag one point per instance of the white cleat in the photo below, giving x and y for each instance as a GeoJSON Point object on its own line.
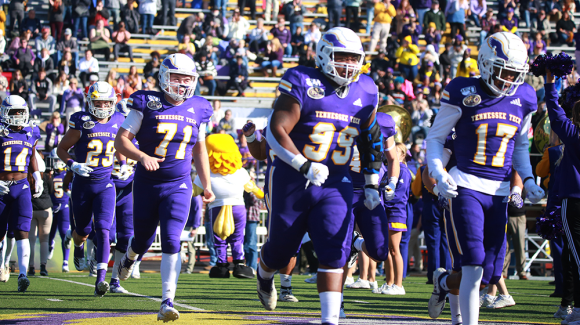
{"type": "Point", "coordinates": [486, 300]}
{"type": "Point", "coordinates": [51, 250]}
{"type": "Point", "coordinates": [5, 274]}
{"type": "Point", "coordinates": [360, 284]}
{"type": "Point", "coordinates": [65, 269]}
{"type": "Point", "coordinates": [286, 295]}
{"type": "Point", "coordinates": [312, 279]}
{"type": "Point", "coordinates": [382, 288]}
{"type": "Point", "coordinates": [267, 292]}
{"type": "Point", "coordinates": [167, 312]}
{"type": "Point", "coordinates": [437, 300]}
{"type": "Point", "coordinates": [136, 273]}
{"type": "Point", "coordinates": [502, 302]}
{"type": "Point", "coordinates": [117, 288]}
{"type": "Point", "coordinates": [125, 268]}
{"type": "Point", "coordinates": [563, 312]}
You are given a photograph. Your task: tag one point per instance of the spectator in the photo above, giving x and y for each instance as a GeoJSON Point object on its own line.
{"type": "Point", "coordinates": [399, 96]}
{"type": "Point", "coordinates": [569, 6]}
{"type": "Point", "coordinates": [529, 11]}
{"type": "Point", "coordinates": [271, 5]}
{"type": "Point", "coordinates": [408, 60]}
{"type": "Point", "coordinates": [430, 55]}
{"type": "Point", "coordinates": [553, 9]}
{"type": "Point", "coordinates": [81, 17]}
{"type": "Point", "coordinates": [122, 89]}
{"type": "Point", "coordinates": [379, 64]}
{"type": "Point", "coordinates": [252, 204]}
{"type": "Point", "coordinates": [54, 132]}
{"type": "Point", "coordinates": [503, 7]}
{"type": "Point", "coordinates": [87, 66]}
{"type": "Point", "coordinates": [527, 43]}
{"type": "Point", "coordinates": [100, 38]}
{"type": "Point", "coordinates": [434, 16]}
{"type": "Point", "coordinates": [24, 57]}
{"type": "Point", "coordinates": [121, 38]}
{"type": "Point", "coordinates": [67, 65]}
{"type": "Point", "coordinates": [193, 222]}
{"type": "Point", "coordinates": [434, 97]}
{"type": "Point", "coordinates": [187, 47]}
{"type": "Point", "coordinates": [541, 25]}
{"type": "Point", "coordinates": [151, 84]}
{"type": "Point", "coordinates": [405, 10]}
{"type": "Point", "coordinates": [258, 37]}
{"type": "Point", "coordinates": [294, 13]}
{"type": "Point", "coordinates": [238, 26]}
{"type": "Point", "coordinates": [477, 9]}
{"type": "Point", "coordinates": [207, 73]}
{"type": "Point", "coordinates": [55, 18]}
{"type": "Point", "coordinates": [539, 46]}
{"type": "Point", "coordinates": [16, 9]}
{"type": "Point", "coordinates": [215, 26]}
{"type": "Point", "coordinates": [41, 92]}
{"type": "Point", "coordinates": [97, 13]}
{"type": "Point", "coordinates": [45, 41]}
{"type": "Point", "coordinates": [73, 99]}
{"type": "Point", "coordinates": [487, 25]}
{"type": "Point", "coordinates": [445, 60]}
{"type": "Point", "coordinates": [168, 13]}
{"type": "Point", "coordinates": [15, 43]}
{"type": "Point", "coordinates": [455, 16]}
{"type": "Point", "coordinates": [413, 29]}
{"type": "Point", "coordinates": [131, 17]}
{"type": "Point", "coordinates": [516, 234]}
{"type": "Point", "coordinates": [134, 79]}
{"type": "Point", "coordinates": [385, 81]}
{"type": "Point", "coordinates": [60, 85]}
{"type": "Point", "coordinates": [2, 45]}
{"type": "Point", "coordinates": [68, 12]}
{"type": "Point", "coordinates": [352, 7]}
{"type": "Point", "coordinates": [428, 75]}
{"type": "Point", "coordinates": [238, 77]}
{"type": "Point", "coordinates": [420, 116]}
{"type": "Point", "coordinates": [297, 42]}
{"type": "Point", "coordinates": [3, 85]}
{"type": "Point", "coordinates": [334, 8]}
{"type": "Point", "coordinates": [468, 66]}
{"type": "Point", "coordinates": [283, 35]}
{"type": "Point", "coordinates": [510, 23]}
{"type": "Point", "coordinates": [456, 56]}
{"type": "Point", "coordinates": [18, 85]}
{"type": "Point", "coordinates": [111, 77]}
{"type": "Point", "coordinates": [114, 9]}
{"type": "Point", "coordinates": [242, 4]}
{"type": "Point", "coordinates": [186, 27]}
{"type": "Point", "coordinates": [432, 36]}
{"type": "Point", "coordinates": [152, 67]}
{"type": "Point", "coordinates": [227, 125]}
{"type": "Point", "coordinates": [308, 59]}
{"type": "Point", "coordinates": [67, 44]}
{"type": "Point", "coordinates": [218, 114]}
{"type": "Point", "coordinates": [370, 6]}
{"type": "Point", "coordinates": [275, 54]}
{"type": "Point", "coordinates": [44, 61]}
{"type": "Point", "coordinates": [565, 29]}
{"type": "Point", "coordinates": [313, 35]}
{"type": "Point", "coordinates": [31, 23]}
{"type": "Point", "coordinates": [147, 9]}
{"type": "Point", "coordinates": [384, 13]}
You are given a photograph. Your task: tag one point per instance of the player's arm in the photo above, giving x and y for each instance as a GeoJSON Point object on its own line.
{"type": "Point", "coordinates": [66, 182]}
{"type": "Point", "coordinates": [429, 182]}
{"type": "Point", "coordinates": [70, 138]}
{"type": "Point", "coordinates": [124, 142]}
{"type": "Point", "coordinates": [38, 181]}
{"type": "Point", "coordinates": [257, 148]}
{"type": "Point", "coordinates": [370, 146]}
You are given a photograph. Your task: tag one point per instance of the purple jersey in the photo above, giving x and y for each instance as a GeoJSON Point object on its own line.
{"type": "Point", "coordinates": [488, 126]}
{"type": "Point", "coordinates": [58, 196]}
{"type": "Point", "coordinates": [117, 168]}
{"type": "Point", "coordinates": [17, 148]}
{"type": "Point", "coordinates": [168, 131]}
{"type": "Point", "coordinates": [96, 147]}
{"type": "Point", "coordinates": [328, 124]}
{"type": "Point", "coordinates": [397, 208]}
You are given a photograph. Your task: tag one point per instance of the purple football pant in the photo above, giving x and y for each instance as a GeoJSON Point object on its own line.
{"type": "Point", "coordinates": [322, 211]}
{"type": "Point", "coordinates": [452, 243]}
{"type": "Point", "coordinates": [478, 224]}
{"type": "Point", "coordinates": [16, 208]}
{"type": "Point", "coordinates": [235, 240]}
{"type": "Point", "coordinates": [93, 200]}
{"type": "Point", "coordinates": [124, 217]}
{"type": "Point", "coordinates": [60, 222]}
{"type": "Point", "coordinates": [165, 203]}
{"type": "Point", "coordinates": [373, 226]}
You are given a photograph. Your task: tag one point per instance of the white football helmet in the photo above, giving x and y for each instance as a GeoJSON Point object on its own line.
{"type": "Point", "coordinates": [54, 162]}
{"type": "Point", "coordinates": [503, 54]}
{"type": "Point", "coordinates": [339, 39]}
{"type": "Point", "coordinates": [101, 91]}
{"type": "Point", "coordinates": [121, 107]}
{"type": "Point", "coordinates": [10, 105]}
{"type": "Point", "coordinates": [180, 64]}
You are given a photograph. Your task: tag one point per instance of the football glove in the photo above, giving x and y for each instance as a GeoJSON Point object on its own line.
{"type": "Point", "coordinates": [56, 209]}
{"type": "Point", "coordinates": [535, 193]}
{"type": "Point", "coordinates": [81, 169]}
{"type": "Point", "coordinates": [38, 184]}
{"type": "Point", "coordinates": [124, 172]}
{"type": "Point", "coordinates": [316, 173]}
{"type": "Point", "coordinates": [4, 187]}
{"type": "Point", "coordinates": [390, 189]}
{"type": "Point", "coordinates": [372, 198]}
{"type": "Point", "coordinates": [514, 199]}
{"type": "Point", "coordinates": [446, 185]}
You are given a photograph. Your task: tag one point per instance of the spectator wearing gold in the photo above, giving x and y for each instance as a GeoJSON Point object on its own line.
{"type": "Point", "coordinates": [408, 60]}
{"type": "Point", "coordinates": [468, 67]}
{"type": "Point", "coordinates": [384, 14]}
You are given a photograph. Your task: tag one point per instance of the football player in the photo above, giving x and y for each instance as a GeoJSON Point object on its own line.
{"type": "Point", "coordinates": [312, 132]}
{"type": "Point", "coordinates": [92, 134]}
{"type": "Point", "coordinates": [19, 138]}
{"type": "Point", "coordinates": [170, 128]}
{"type": "Point", "coordinates": [491, 116]}
{"type": "Point", "coordinates": [61, 214]}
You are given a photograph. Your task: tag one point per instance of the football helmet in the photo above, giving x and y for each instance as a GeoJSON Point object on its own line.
{"type": "Point", "coordinates": [54, 162]}
{"type": "Point", "coordinates": [11, 104]}
{"type": "Point", "coordinates": [503, 54]}
{"type": "Point", "coordinates": [180, 64]}
{"type": "Point", "coordinates": [335, 40]}
{"type": "Point", "coordinates": [101, 91]}
{"type": "Point", "coordinates": [122, 108]}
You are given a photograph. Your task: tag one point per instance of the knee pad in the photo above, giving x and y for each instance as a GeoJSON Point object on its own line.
{"type": "Point", "coordinates": [171, 247]}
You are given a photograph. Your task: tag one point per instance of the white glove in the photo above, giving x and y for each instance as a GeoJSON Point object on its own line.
{"type": "Point", "coordinates": [390, 189]}
{"type": "Point", "coordinates": [38, 184]}
{"type": "Point", "coordinates": [535, 193]}
{"type": "Point", "coordinates": [4, 188]}
{"type": "Point", "coordinates": [372, 198]}
{"type": "Point", "coordinates": [317, 173]}
{"type": "Point", "coordinates": [124, 172]}
{"type": "Point", "coordinates": [67, 193]}
{"type": "Point", "coordinates": [81, 169]}
{"type": "Point", "coordinates": [446, 185]}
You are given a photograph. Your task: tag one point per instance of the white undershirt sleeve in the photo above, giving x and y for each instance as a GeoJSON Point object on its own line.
{"type": "Point", "coordinates": [133, 121]}
{"type": "Point", "coordinates": [443, 125]}
{"type": "Point", "coordinates": [521, 155]}
{"type": "Point", "coordinates": [280, 151]}
{"type": "Point", "coordinates": [201, 134]}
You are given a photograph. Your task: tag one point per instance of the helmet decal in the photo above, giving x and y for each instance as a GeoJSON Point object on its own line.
{"type": "Point", "coordinates": [497, 45]}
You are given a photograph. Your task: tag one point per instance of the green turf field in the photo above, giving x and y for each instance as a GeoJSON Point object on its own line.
{"type": "Point", "coordinates": [237, 298]}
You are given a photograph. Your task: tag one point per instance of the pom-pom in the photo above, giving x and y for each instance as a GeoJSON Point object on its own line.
{"type": "Point", "coordinates": [569, 97]}
{"type": "Point", "coordinates": [560, 65]}
{"type": "Point", "coordinates": [549, 225]}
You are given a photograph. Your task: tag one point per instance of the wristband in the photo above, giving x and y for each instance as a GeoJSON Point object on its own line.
{"type": "Point", "coordinates": [516, 189]}
{"type": "Point", "coordinates": [373, 186]}
{"type": "Point", "coordinates": [527, 179]}
{"type": "Point", "coordinates": [435, 190]}
{"type": "Point", "coordinates": [251, 138]}
{"type": "Point", "coordinates": [298, 162]}
{"type": "Point", "coordinates": [70, 162]}
{"type": "Point", "coordinates": [304, 169]}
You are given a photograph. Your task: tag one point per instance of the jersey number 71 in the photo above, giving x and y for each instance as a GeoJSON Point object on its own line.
{"type": "Point", "coordinates": [170, 129]}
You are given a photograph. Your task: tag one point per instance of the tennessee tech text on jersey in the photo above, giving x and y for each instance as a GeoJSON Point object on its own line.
{"type": "Point", "coordinates": [328, 123]}
{"type": "Point", "coordinates": [17, 148]}
{"type": "Point", "coordinates": [168, 131]}
{"type": "Point", "coordinates": [488, 126]}
{"type": "Point", "coordinates": [96, 147]}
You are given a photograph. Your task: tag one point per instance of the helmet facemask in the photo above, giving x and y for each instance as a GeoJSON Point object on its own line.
{"type": "Point", "coordinates": [176, 90]}
{"type": "Point", "coordinates": [351, 71]}
{"type": "Point", "coordinates": [15, 115]}
{"type": "Point", "coordinates": [497, 70]}
{"type": "Point", "coordinates": [104, 109]}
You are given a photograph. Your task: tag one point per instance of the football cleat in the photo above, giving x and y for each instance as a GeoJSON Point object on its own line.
{"type": "Point", "coordinates": [353, 251]}
{"type": "Point", "coordinates": [267, 292]}
{"type": "Point", "coordinates": [101, 289]}
{"type": "Point", "coordinates": [116, 287]}
{"type": "Point", "coordinates": [167, 312]}
{"type": "Point", "coordinates": [68, 239]}
{"type": "Point", "coordinates": [563, 312]}
{"type": "Point", "coordinates": [125, 268]}
{"type": "Point", "coordinates": [79, 263]}
{"type": "Point", "coordinates": [23, 283]}
{"type": "Point", "coordinates": [437, 300]}
{"type": "Point", "coordinates": [5, 274]}
{"type": "Point", "coordinates": [43, 270]}
{"type": "Point", "coordinates": [572, 317]}
{"type": "Point", "coordinates": [65, 268]}
{"type": "Point", "coordinates": [136, 274]}
{"type": "Point", "coordinates": [286, 295]}
{"type": "Point", "coordinates": [341, 313]}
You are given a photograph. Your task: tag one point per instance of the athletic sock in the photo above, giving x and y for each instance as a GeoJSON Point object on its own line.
{"type": "Point", "coordinates": [79, 251]}
{"type": "Point", "coordinates": [118, 257]}
{"type": "Point", "coordinates": [265, 274]}
{"type": "Point", "coordinates": [330, 306]}
{"type": "Point", "coordinates": [454, 308]}
{"type": "Point", "coordinates": [170, 268]}
{"type": "Point", "coordinates": [358, 244]}
{"type": "Point", "coordinates": [469, 293]}
{"type": "Point", "coordinates": [2, 251]}
{"type": "Point", "coordinates": [131, 254]}
{"type": "Point", "coordinates": [443, 283]}
{"type": "Point", "coordinates": [285, 280]}
{"type": "Point", "coordinates": [23, 251]}
{"type": "Point", "coordinates": [90, 245]}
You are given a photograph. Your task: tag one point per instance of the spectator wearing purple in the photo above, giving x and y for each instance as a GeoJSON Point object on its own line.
{"type": "Point", "coordinates": [539, 46]}
{"type": "Point", "coordinates": [24, 57]}
{"type": "Point", "coordinates": [487, 25]}
{"type": "Point", "coordinates": [413, 28]}
{"type": "Point", "coordinates": [54, 132]}
{"type": "Point", "coordinates": [73, 99]}
{"type": "Point", "coordinates": [510, 23]}
{"type": "Point", "coordinates": [275, 54]}
{"type": "Point", "coordinates": [477, 9]}
{"type": "Point", "coordinates": [421, 7]}
{"type": "Point", "coordinates": [283, 34]}
{"type": "Point", "coordinates": [432, 36]}
{"type": "Point", "coordinates": [294, 12]}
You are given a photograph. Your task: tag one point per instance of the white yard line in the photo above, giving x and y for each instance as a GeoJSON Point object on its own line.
{"type": "Point", "coordinates": [128, 293]}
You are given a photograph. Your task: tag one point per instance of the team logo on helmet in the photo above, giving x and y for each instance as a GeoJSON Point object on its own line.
{"type": "Point", "coordinates": [497, 46]}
